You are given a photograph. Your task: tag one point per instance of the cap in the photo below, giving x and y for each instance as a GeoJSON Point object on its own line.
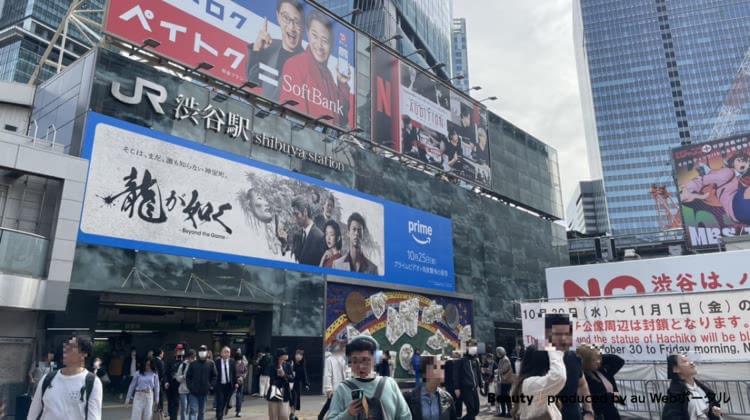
{"type": "Point", "coordinates": [203, 347]}
{"type": "Point", "coordinates": [179, 347]}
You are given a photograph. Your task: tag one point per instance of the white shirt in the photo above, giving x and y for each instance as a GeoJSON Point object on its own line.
{"type": "Point", "coordinates": [63, 399]}
{"type": "Point", "coordinates": [308, 229]}
{"type": "Point", "coordinates": [334, 372]}
{"type": "Point", "coordinates": [698, 404]}
{"type": "Point", "coordinates": [540, 387]}
{"type": "Point", "coordinates": [225, 371]}
{"type": "Point", "coordinates": [133, 366]}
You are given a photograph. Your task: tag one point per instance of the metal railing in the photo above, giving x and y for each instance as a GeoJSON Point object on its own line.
{"type": "Point", "coordinates": [644, 396]}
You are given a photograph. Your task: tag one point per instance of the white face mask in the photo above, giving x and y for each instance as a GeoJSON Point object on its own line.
{"type": "Point", "coordinates": [473, 351]}
{"type": "Point", "coordinates": [202, 354]}
{"type": "Point", "coordinates": [97, 364]}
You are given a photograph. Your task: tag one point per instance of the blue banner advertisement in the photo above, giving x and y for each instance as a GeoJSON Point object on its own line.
{"type": "Point", "coordinates": [153, 192]}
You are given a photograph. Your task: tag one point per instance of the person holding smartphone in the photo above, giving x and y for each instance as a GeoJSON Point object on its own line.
{"type": "Point", "coordinates": [279, 393]}
{"type": "Point", "coordinates": [542, 376]}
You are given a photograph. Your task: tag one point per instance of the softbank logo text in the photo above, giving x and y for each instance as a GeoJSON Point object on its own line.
{"type": "Point", "coordinates": [421, 230]}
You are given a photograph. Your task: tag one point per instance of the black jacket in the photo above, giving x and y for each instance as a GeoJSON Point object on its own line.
{"type": "Point", "coordinates": [172, 370]}
{"type": "Point", "coordinates": [300, 374]}
{"type": "Point", "coordinates": [676, 408]}
{"type": "Point", "coordinates": [126, 365]}
{"type": "Point", "coordinates": [311, 250]}
{"type": "Point", "coordinates": [280, 382]}
{"type": "Point", "coordinates": [604, 402]}
{"type": "Point", "coordinates": [200, 377]}
{"type": "Point", "coordinates": [413, 399]}
{"type": "Point", "coordinates": [160, 370]}
{"type": "Point", "coordinates": [232, 372]}
{"type": "Point", "coordinates": [467, 373]}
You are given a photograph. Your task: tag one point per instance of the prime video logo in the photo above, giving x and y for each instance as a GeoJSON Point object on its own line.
{"type": "Point", "coordinates": [421, 230]}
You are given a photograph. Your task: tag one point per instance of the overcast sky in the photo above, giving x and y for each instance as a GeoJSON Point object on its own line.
{"type": "Point", "coordinates": [522, 52]}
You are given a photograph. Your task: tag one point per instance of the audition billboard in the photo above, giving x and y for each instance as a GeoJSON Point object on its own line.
{"type": "Point", "coordinates": [418, 116]}
{"type": "Point", "coordinates": [713, 180]}
{"type": "Point", "coordinates": [154, 192]}
{"type": "Point", "coordinates": [290, 49]}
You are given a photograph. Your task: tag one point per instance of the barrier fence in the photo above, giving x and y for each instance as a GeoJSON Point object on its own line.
{"type": "Point", "coordinates": [644, 397]}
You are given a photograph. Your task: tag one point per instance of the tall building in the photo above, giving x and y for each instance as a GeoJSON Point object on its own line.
{"type": "Point", "coordinates": [460, 54]}
{"type": "Point", "coordinates": [587, 211]}
{"type": "Point", "coordinates": [26, 28]}
{"type": "Point", "coordinates": [422, 24]}
{"type": "Point", "coordinates": [654, 74]}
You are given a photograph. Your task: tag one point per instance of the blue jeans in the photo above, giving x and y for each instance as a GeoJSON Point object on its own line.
{"type": "Point", "coordinates": [197, 406]}
{"type": "Point", "coordinates": [183, 406]}
{"type": "Point", "coordinates": [239, 399]}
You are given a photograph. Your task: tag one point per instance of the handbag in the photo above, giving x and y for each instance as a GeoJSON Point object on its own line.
{"type": "Point", "coordinates": [277, 394]}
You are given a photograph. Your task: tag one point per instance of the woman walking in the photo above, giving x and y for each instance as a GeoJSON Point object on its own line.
{"type": "Point", "coordinates": [384, 367]}
{"type": "Point", "coordinates": [143, 392]}
{"type": "Point", "coordinates": [701, 405]}
{"type": "Point", "coordinates": [279, 394]}
{"type": "Point", "coordinates": [542, 375]}
{"type": "Point", "coordinates": [600, 371]}
{"type": "Point", "coordinates": [299, 369]}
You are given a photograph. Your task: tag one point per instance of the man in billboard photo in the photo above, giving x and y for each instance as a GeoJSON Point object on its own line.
{"type": "Point", "coordinates": [355, 259]}
{"type": "Point", "coordinates": [731, 192]}
{"type": "Point", "coordinates": [482, 152]}
{"type": "Point", "coordinates": [307, 80]}
{"type": "Point", "coordinates": [308, 245]}
{"type": "Point", "coordinates": [267, 56]}
{"type": "Point", "coordinates": [452, 152]}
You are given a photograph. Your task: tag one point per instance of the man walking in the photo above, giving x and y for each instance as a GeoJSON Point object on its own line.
{"type": "Point", "coordinates": [201, 376]}
{"type": "Point", "coordinates": [468, 382]}
{"type": "Point", "coordinates": [265, 375]}
{"type": "Point", "coordinates": [227, 383]}
{"type": "Point", "coordinates": [171, 385]}
{"type": "Point", "coordinates": [71, 393]}
{"type": "Point", "coordinates": [334, 373]}
{"type": "Point", "coordinates": [161, 371]}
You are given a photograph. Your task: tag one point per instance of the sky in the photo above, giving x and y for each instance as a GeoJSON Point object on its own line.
{"type": "Point", "coordinates": [522, 52]}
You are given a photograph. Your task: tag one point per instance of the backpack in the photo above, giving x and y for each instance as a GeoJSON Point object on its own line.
{"type": "Point", "coordinates": [376, 410]}
{"type": "Point", "coordinates": [86, 390]}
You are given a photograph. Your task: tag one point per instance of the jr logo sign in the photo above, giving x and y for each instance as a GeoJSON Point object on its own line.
{"type": "Point", "coordinates": [156, 94]}
{"type": "Point", "coordinates": [423, 232]}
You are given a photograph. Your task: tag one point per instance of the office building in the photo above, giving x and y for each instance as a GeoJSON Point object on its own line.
{"type": "Point", "coordinates": [422, 24]}
{"type": "Point", "coordinates": [653, 75]}
{"type": "Point", "coordinates": [460, 55]}
{"type": "Point", "coordinates": [26, 28]}
{"type": "Point", "coordinates": [587, 211]}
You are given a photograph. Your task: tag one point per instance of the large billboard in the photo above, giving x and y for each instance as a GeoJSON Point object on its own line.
{"type": "Point", "coordinates": [400, 321]}
{"type": "Point", "coordinates": [290, 49]}
{"type": "Point", "coordinates": [154, 192]}
{"type": "Point", "coordinates": [686, 274]}
{"type": "Point", "coordinates": [417, 116]}
{"type": "Point", "coordinates": [713, 180]}
{"type": "Point", "coordinates": [710, 327]}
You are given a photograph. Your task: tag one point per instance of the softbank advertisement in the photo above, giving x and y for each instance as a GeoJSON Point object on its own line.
{"type": "Point", "coordinates": [289, 49]}
{"type": "Point", "coordinates": [157, 193]}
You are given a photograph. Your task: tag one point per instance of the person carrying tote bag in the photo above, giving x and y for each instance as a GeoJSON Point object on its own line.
{"type": "Point", "coordinates": [279, 394]}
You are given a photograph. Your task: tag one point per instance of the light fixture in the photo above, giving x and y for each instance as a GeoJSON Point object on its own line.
{"type": "Point", "coordinates": [193, 308]}
{"type": "Point", "coordinates": [323, 118]}
{"type": "Point", "coordinates": [491, 98]}
{"type": "Point", "coordinates": [298, 127]}
{"type": "Point", "coordinates": [144, 305]}
{"type": "Point", "coordinates": [290, 102]}
{"type": "Point", "coordinates": [148, 42]}
{"type": "Point", "coordinates": [419, 51]}
{"type": "Point", "coordinates": [394, 37]}
{"type": "Point", "coordinates": [262, 113]}
{"type": "Point", "coordinates": [203, 66]}
{"type": "Point", "coordinates": [473, 88]}
{"type": "Point", "coordinates": [459, 77]}
{"type": "Point", "coordinates": [353, 13]}
{"type": "Point", "coordinates": [355, 131]}
{"type": "Point", "coordinates": [437, 66]}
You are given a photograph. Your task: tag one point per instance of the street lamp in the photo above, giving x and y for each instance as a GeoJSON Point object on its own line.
{"type": "Point", "coordinates": [472, 88]}
{"type": "Point", "coordinates": [437, 66]}
{"type": "Point", "coordinates": [419, 51]}
{"type": "Point", "coordinates": [394, 37]}
{"type": "Point", "coordinates": [203, 66]}
{"type": "Point", "coordinates": [148, 42]}
{"type": "Point", "coordinates": [459, 77]}
{"type": "Point", "coordinates": [491, 98]}
{"type": "Point", "coordinates": [353, 13]}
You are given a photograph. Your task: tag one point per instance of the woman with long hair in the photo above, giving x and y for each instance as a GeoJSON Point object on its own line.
{"type": "Point", "coordinates": [701, 404]}
{"type": "Point", "coordinates": [542, 375]}
{"type": "Point", "coordinates": [279, 394]}
{"type": "Point", "coordinates": [600, 371]}
{"type": "Point", "coordinates": [300, 379]}
{"type": "Point", "coordinates": [332, 233]}
{"type": "Point", "coordinates": [143, 391]}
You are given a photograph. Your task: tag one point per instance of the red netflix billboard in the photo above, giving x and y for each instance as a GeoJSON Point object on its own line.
{"type": "Point", "coordinates": [418, 116]}
{"type": "Point", "coordinates": [290, 49]}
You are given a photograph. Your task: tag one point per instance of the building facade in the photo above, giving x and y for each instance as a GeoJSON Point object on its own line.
{"type": "Point", "coordinates": [460, 55]}
{"type": "Point", "coordinates": [653, 76]}
{"type": "Point", "coordinates": [422, 24]}
{"type": "Point", "coordinates": [587, 211]}
{"type": "Point", "coordinates": [26, 28]}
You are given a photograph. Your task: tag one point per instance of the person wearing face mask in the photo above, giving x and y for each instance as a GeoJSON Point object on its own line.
{"type": "Point", "coordinates": [183, 391]}
{"type": "Point", "coordinates": [468, 381]}
{"type": "Point", "coordinates": [129, 369]}
{"type": "Point", "coordinates": [97, 368]}
{"type": "Point", "coordinates": [200, 377]}
{"type": "Point", "coordinates": [380, 397]}
{"type": "Point", "coordinates": [300, 379]}
{"type": "Point", "coordinates": [334, 373]}
{"type": "Point", "coordinates": [171, 385]}
{"type": "Point", "coordinates": [279, 393]}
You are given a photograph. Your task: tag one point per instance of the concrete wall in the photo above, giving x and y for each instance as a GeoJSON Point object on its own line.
{"type": "Point", "coordinates": [16, 357]}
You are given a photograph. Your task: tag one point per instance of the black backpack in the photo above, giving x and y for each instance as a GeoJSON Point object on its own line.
{"type": "Point", "coordinates": [377, 412]}
{"type": "Point", "coordinates": [86, 390]}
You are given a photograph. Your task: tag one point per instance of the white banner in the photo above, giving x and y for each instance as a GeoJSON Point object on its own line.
{"type": "Point", "coordinates": [711, 327]}
{"type": "Point", "coordinates": [687, 274]}
{"type": "Point", "coordinates": [424, 111]}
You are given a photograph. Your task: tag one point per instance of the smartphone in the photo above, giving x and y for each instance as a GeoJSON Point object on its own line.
{"type": "Point", "coordinates": [357, 394]}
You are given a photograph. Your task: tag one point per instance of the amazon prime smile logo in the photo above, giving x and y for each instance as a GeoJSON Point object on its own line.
{"type": "Point", "coordinates": [421, 233]}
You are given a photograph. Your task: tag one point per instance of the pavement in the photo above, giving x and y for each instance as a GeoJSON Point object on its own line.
{"type": "Point", "coordinates": [252, 408]}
